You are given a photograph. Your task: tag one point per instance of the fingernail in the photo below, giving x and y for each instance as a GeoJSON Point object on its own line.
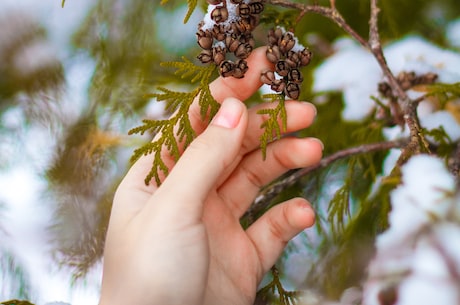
{"type": "Point", "coordinates": [318, 141]}
{"type": "Point", "coordinates": [229, 114]}
{"type": "Point", "coordinates": [312, 107]}
{"type": "Point", "coordinates": [308, 207]}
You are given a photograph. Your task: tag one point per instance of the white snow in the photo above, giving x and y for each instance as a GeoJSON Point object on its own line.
{"type": "Point", "coordinates": [35, 57]}
{"type": "Point", "coordinates": [355, 72]}
{"type": "Point", "coordinates": [232, 15]}
{"type": "Point", "coordinates": [26, 214]}
{"type": "Point", "coordinates": [420, 253]}
{"type": "Point", "coordinates": [453, 33]}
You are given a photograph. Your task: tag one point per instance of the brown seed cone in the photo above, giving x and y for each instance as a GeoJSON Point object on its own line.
{"type": "Point", "coordinates": [226, 68]}
{"type": "Point", "coordinates": [204, 39]}
{"type": "Point", "coordinates": [385, 89]}
{"type": "Point", "coordinates": [205, 56]}
{"type": "Point", "coordinates": [232, 43]}
{"type": "Point", "coordinates": [267, 77]}
{"type": "Point", "coordinates": [286, 43]}
{"type": "Point", "coordinates": [293, 59]}
{"type": "Point", "coordinates": [278, 85]}
{"type": "Point", "coordinates": [295, 76]}
{"type": "Point", "coordinates": [256, 7]}
{"type": "Point", "coordinates": [249, 39]}
{"type": "Point", "coordinates": [218, 32]}
{"type": "Point", "coordinates": [242, 26]}
{"type": "Point", "coordinates": [273, 54]}
{"type": "Point", "coordinates": [305, 57]}
{"type": "Point", "coordinates": [282, 68]}
{"type": "Point", "coordinates": [241, 67]}
{"type": "Point", "coordinates": [243, 50]}
{"type": "Point", "coordinates": [292, 90]}
{"type": "Point", "coordinates": [219, 14]}
{"type": "Point", "coordinates": [243, 10]}
{"type": "Point", "coordinates": [428, 78]}
{"type": "Point", "coordinates": [218, 54]}
{"type": "Point", "coordinates": [272, 39]}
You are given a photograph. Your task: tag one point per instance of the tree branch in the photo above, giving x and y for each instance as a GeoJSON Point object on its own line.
{"type": "Point", "coordinates": [329, 12]}
{"type": "Point", "coordinates": [375, 47]}
{"type": "Point", "coordinates": [270, 192]}
{"type": "Point", "coordinates": [409, 107]}
{"type": "Point", "coordinates": [417, 141]}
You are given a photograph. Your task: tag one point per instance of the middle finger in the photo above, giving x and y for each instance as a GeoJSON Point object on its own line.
{"type": "Point", "coordinates": [241, 187]}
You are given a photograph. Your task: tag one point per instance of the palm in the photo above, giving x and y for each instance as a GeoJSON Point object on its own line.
{"type": "Point", "coordinates": [234, 265]}
{"type": "Point", "coordinates": [187, 232]}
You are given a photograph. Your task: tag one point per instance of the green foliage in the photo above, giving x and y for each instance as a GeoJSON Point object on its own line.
{"type": "Point", "coordinates": [278, 16]}
{"type": "Point", "coordinates": [275, 123]}
{"type": "Point", "coordinates": [339, 208]}
{"type": "Point", "coordinates": [80, 229]}
{"type": "Point", "coordinates": [16, 302]}
{"type": "Point", "coordinates": [275, 292]}
{"type": "Point", "coordinates": [176, 132]}
{"type": "Point", "coordinates": [443, 92]}
{"type": "Point", "coordinates": [119, 36]}
{"type": "Point", "coordinates": [361, 173]}
{"type": "Point", "coordinates": [444, 145]}
{"type": "Point", "coordinates": [343, 257]}
{"type": "Point", "coordinates": [166, 131]}
{"type": "Point", "coordinates": [126, 56]}
{"type": "Point", "coordinates": [338, 134]}
{"type": "Point", "coordinates": [191, 7]}
{"type": "Point", "coordinates": [13, 276]}
{"type": "Point", "coordinates": [192, 4]}
{"type": "Point", "coordinates": [187, 69]}
{"type": "Point", "coordinates": [20, 73]}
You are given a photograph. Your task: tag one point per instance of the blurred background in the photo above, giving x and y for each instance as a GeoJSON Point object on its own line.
{"type": "Point", "coordinates": [74, 80]}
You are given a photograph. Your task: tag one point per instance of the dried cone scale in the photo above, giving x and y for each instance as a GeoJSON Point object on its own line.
{"type": "Point", "coordinates": [287, 56]}
{"type": "Point", "coordinates": [227, 30]}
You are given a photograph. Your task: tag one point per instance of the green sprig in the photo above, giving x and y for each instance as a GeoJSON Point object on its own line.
{"type": "Point", "coordinates": [443, 92]}
{"type": "Point", "coordinates": [276, 122]}
{"type": "Point", "coordinates": [176, 133]}
{"type": "Point", "coordinates": [275, 287]}
{"type": "Point", "coordinates": [187, 69]}
{"type": "Point", "coordinates": [192, 4]}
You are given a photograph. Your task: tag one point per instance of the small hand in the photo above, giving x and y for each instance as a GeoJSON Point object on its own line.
{"type": "Point", "coordinates": [182, 243]}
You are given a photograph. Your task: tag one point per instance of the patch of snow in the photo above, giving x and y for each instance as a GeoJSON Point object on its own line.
{"type": "Point", "coordinates": [420, 251]}
{"type": "Point", "coordinates": [355, 72]}
{"type": "Point", "coordinates": [453, 33]}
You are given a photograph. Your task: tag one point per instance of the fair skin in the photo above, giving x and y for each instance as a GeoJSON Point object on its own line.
{"type": "Point", "coordinates": [182, 243]}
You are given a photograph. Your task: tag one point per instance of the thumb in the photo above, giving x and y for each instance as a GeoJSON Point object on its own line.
{"type": "Point", "coordinates": [205, 160]}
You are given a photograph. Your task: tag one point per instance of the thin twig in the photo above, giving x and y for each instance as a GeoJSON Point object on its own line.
{"type": "Point", "coordinates": [270, 192]}
{"type": "Point", "coordinates": [329, 12]}
{"type": "Point", "coordinates": [409, 107]}
{"type": "Point", "coordinates": [375, 47]}
{"type": "Point", "coordinates": [417, 141]}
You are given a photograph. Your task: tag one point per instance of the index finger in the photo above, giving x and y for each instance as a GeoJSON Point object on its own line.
{"type": "Point", "coordinates": [220, 88]}
{"type": "Point", "coordinates": [239, 88]}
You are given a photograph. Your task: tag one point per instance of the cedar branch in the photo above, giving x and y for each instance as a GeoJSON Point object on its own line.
{"type": "Point", "coordinates": [373, 45]}
{"type": "Point", "coordinates": [267, 194]}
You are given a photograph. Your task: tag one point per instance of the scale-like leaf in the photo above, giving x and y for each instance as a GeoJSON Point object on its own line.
{"type": "Point", "coordinates": [271, 126]}
{"type": "Point", "coordinates": [187, 69]}
{"type": "Point", "coordinates": [176, 133]}
{"type": "Point", "coordinates": [172, 98]}
{"type": "Point", "coordinates": [191, 8]}
{"type": "Point", "coordinates": [443, 92]}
